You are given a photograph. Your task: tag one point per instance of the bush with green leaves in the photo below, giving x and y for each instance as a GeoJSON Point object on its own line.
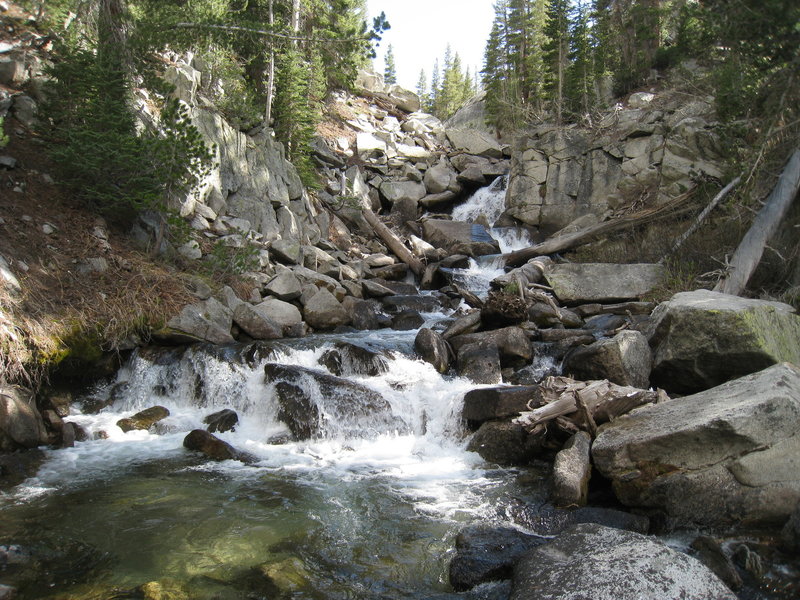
{"type": "Point", "coordinates": [100, 153]}
{"type": "Point", "coordinates": [3, 136]}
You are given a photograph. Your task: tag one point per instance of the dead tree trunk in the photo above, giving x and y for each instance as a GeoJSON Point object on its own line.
{"type": "Point", "coordinates": [748, 254]}
{"type": "Point", "coordinates": [394, 242]}
{"type": "Point", "coordinates": [701, 217]}
{"type": "Point", "coordinates": [584, 236]}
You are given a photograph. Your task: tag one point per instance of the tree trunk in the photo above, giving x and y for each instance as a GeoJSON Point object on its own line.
{"type": "Point", "coordinates": [748, 254]}
{"type": "Point", "coordinates": [583, 236]}
{"type": "Point", "coordinates": [394, 243]}
{"type": "Point", "coordinates": [270, 70]}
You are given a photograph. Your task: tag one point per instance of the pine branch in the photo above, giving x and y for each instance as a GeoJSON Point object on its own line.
{"type": "Point", "coordinates": [264, 32]}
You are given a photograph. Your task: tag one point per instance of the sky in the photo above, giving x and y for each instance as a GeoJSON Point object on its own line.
{"type": "Point", "coordinates": [421, 30]}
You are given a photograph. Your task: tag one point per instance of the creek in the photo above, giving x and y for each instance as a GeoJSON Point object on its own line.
{"type": "Point", "coordinates": [360, 511]}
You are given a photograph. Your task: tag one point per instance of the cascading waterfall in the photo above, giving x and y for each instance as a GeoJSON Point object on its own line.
{"type": "Point", "coordinates": [350, 514]}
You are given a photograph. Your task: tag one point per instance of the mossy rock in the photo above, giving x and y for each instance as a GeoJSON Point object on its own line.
{"type": "Point", "coordinates": [701, 339]}
{"type": "Point", "coordinates": [143, 420]}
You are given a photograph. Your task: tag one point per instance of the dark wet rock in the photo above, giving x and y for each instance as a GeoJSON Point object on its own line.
{"type": "Point", "coordinates": [505, 443]}
{"type": "Point", "coordinates": [144, 419]}
{"type": "Point", "coordinates": [400, 288]}
{"type": "Point", "coordinates": [395, 272]}
{"type": "Point", "coordinates": [19, 466]}
{"type": "Point", "coordinates": [7, 592]}
{"type": "Point", "coordinates": [486, 404]}
{"type": "Point", "coordinates": [368, 314]}
{"type": "Point", "coordinates": [21, 425]}
{"type": "Point", "coordinates": [479, 362]}
{"type": "Point", "coordinates": [469, 323]}
{"type": "Point", "coordinates": [624, 359]}
{"type": "Point", "coordinates": [346, 359]}
{"type": "Point", "coordinates": [572, 469]}
{"type": "Point", "coordinates": [709, 552]}
{"type": "Point", "coordinates": [501, 309]}
{"type": "Point", "coordinates": [200, 440]}
{"type": "Point", "coordinates": [536, 372]}
{"type": "Point", "coordinates": [222, 421]}
{"type": "Point", "coordinates": [432, 278]}
{"type": "Point", "coordinates": [340, 407]}
{"type": "Point", "coordinates": [701, 339]}
{"type": "Point", "coordinates": [512, 343]}
{"type": "Point", "coordinates": [790, 535]}
{"type": "Point", "coordinates": [421, 304]}
{"type": "Point", "coordinates": [592, 561]}
{"type": "Point", "coordinates": [493, 590]}
{"type": "Point", "coordinates": [459, 237]}
{"type": "Point", "coordinates": [722, 457]}
{"type": "Point", "coordinates": [455, 261]}
{"type": "Point", "coordinates": [407, 320]}
{"type": "Point", "coordinates": [485, 553]}
{"type": "Point", "coordinates": [432, 348]}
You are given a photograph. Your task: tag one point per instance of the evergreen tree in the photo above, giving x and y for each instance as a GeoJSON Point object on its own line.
{"type": "Point", "coordinates": [422, 89]}
{"type": "Point", "coordinates": [557, 51]}
{"type": "Point", "coordinates": [581, 74]}
{"type": "Point", "coordinates": [389, 72]}
{"type": "Point", "coordinates": [432, 99]}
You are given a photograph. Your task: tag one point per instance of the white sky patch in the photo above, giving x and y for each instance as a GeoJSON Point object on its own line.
{"type": "Point", "coordinates": [421, 30]}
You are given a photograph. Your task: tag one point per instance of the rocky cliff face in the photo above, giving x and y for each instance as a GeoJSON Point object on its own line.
{"type": "Point", "coordinates": [653, 148]}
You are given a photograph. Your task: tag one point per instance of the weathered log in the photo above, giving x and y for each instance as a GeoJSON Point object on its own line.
{"type": "Point", "coordinates": [701, 217]}
{"type": "Point", "coordinates": [748, 254]}
{"type": "Point", "coordinates": [394, 242]}
{"type": "Point", "coordinates": [586, 235]}
{"type": "Point", "coordinates": [600, 401]}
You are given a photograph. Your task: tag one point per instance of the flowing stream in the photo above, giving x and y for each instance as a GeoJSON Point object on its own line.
{"type": "Point", "coordinates": [358, 512]}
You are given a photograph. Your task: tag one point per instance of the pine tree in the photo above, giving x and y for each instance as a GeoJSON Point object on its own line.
{"type": "Point", "coordinates": [435, 77]}
{"type": "Point", "coordinates": [422, 89]}
{"type": "Point", "coordinates": [557, 49]}
{"type": "Point", "coordinates": [389, 72]}
{"type": "Point", "coordinates": [580, 77]}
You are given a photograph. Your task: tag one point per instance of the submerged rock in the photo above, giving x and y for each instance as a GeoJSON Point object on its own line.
{"type": "Point", "coordinates": [592, 561]}
{"type": "Point", "coordinates": [725, 456]}
{"type": "Point", "coordinates": [701, 339]}
{"type": "Point", "coordinates": [199, 440]}
{"type": "Point", "coordinates": [485, 553]}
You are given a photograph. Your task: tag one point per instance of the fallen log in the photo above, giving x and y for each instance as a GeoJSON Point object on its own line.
{"type": "Point", "coordinates": [748, 254]}
{"type": "Point", "coordinates": [586, 235]}
{"type": "Point", "coordinates": [592, 402]}
{"type": "Point", "coordinates": [394, 242]}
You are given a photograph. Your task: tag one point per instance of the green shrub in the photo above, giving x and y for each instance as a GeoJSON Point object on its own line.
{"type": "Point", "coordinates": [100, 155]}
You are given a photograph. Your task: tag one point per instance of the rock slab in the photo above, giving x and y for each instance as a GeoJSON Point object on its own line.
{"type": "Point", "coordinates": [601, 563]}
{"type": "Point", "coordinates": [726, 456]}
{"type": "Point", "coordinates": [578, 283]}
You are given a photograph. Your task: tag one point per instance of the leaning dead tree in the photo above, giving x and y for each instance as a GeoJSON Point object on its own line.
{"type": "Point", "coordinates": [748, 254]}
{"type": "Point", "coordinates": [394, 243]}
{"type": "Point", "coordinates": [586, 235]}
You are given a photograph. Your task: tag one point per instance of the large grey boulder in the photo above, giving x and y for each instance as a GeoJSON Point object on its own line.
{"type": "Point", "coordinates": [489, 403]}
{"type": "Point", "coordinates": [21, 425]}
{"type": "Point", "coordinates": [505, 443]}
{"type": "Point", "coordinates": [284, 286]}
{"type": "Point", "coordinates": [512, 343]}
{"type": "Point", "coordinates": [701, 339]}
{"type": "Point", "coordinates": [474, 141]}
{"type": "Point", "coordinates": [479, 362]}
{"type": "Point", "coordinates": [601, 563]}
{"type": "Point", "coordinates": [398, 191]}
{"type": "Point", "coordinates": [575, 283]}
{"type": "Point", "coordinates": [624, 359]}
{"type": "Point", "coordinates": [725, 456]}
{"type": "Point", "coordinates": [209, 320]}
{"type": "Point", "coordinates": [256, 322]}
{"type": "Point", "coordinates": [282, 313]}
{"type": "Point", "coordinates": [439, 178]}
{"type": "Point", "coordinates": [324, 311]}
